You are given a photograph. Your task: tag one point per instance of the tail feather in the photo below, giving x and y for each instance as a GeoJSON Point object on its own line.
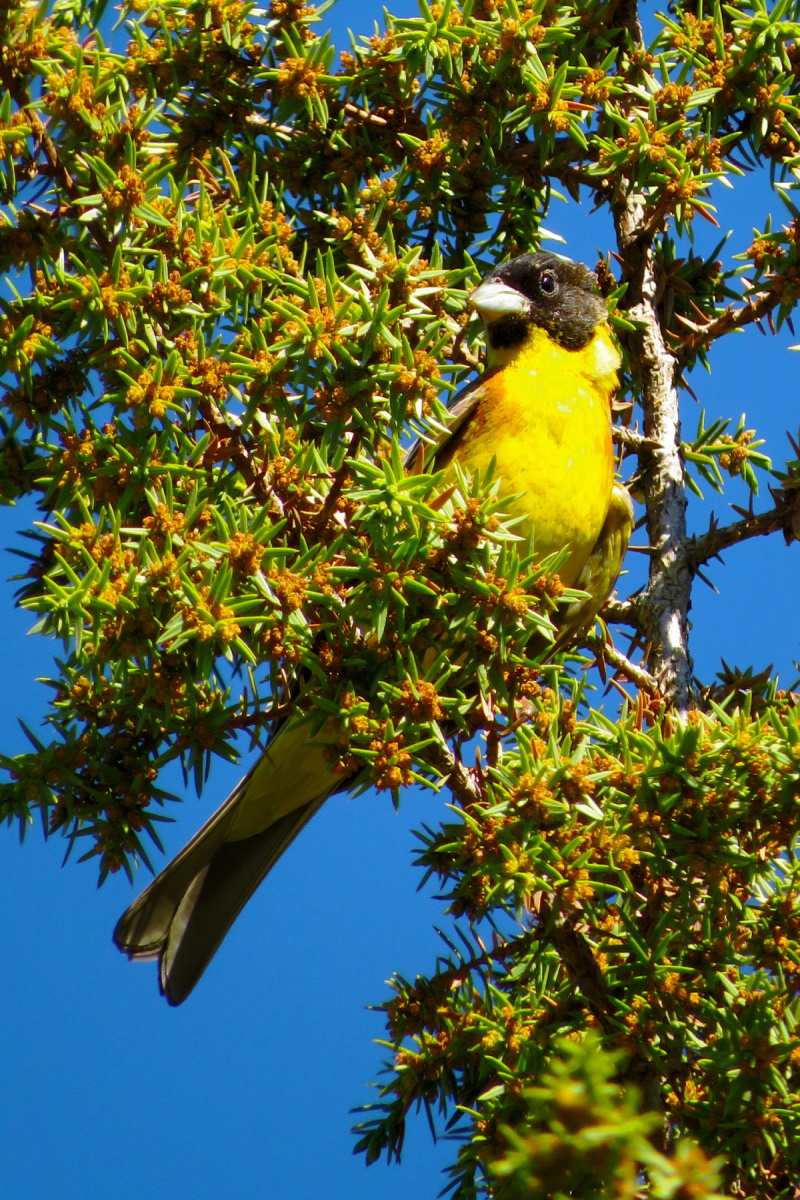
{"type": "Point", "coordinates": [215, 898]}
{"type": "Point", "coordinates": [143, 929]}
{"type": "Point", "coordinates": [185, 912]}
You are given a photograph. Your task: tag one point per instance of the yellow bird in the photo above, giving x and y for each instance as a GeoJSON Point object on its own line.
{"type": "Point", "coordinates": [542, 412]}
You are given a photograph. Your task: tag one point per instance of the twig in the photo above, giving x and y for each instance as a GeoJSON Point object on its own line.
{"type": "Point", "coordinates": [45, 145]}
{"type": "Point", "coordinates": [338, 483]}
{"type": "Point", "coordinates": [373, 118]}
{"type": "Point", "coordinates": [263, 124]}
{"type": "Point", "coordinates": [701, 549]}
{"type": "Point", "coordinates": [579, 963]}
{"type": "Point", "coordinates": [622, 612]}
{"type": "Point", "coordinates": [461, 781]}
{"type": "Point", "coordinates": [733, 318]}
{"type": "Point", "coordinates": [568, 163]}
{"type": "Point", "coordinates": [623, 665]}
{"type": "Point", "coordinates": [631, 438]}
{"type": "Point", "coordinates": [235, 450]}
{"type": "Point", "coordinates": [442, 982]}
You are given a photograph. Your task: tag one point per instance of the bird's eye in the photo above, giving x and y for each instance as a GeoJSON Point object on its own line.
{"type": "Point", "coordinates": [548, 284]}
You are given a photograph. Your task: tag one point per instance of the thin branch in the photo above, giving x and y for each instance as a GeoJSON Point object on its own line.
{"type": "Point", "coordinates": [262, 124]}
{"type": "Point", "coordinates": [45, 145]}
{"type": "Point", "coordinates": [41, 137]}
{"type": "Point", "coordinates": [623, 665]}
{"type": "Point", "coordinates": [234, 449]}
{"type": "Point", "coordinates": [631, 438]}
{"type": "Point", "coordinates": [755, 310]}
{"type": "Point", "coordinates": [579, 963]}
{"type": "Point", "coordinates": [622, 612]}
{"type": "Point", "coordinates": [513, 948]}
{"type": "Point", "coordinates": [701, 549]}
{"type": "Point", "coordinates": [338, 483]}
{"type": "Point", "coordinates": [462, 782]}
{"type": "Point", "coordinates": [372, 118]}
{"type": "Point", "coordinates": [566, 164]}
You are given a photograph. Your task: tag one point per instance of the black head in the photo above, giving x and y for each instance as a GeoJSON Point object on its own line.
{"type": "Point", "coordinates": [541, 289]}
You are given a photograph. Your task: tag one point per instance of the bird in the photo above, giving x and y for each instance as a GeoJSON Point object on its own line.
{"type": "Point", "coordinates": [541, 413]}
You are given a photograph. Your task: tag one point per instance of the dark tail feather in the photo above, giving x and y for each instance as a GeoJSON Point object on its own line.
{"type": "Point", "coordinates": [183, 915]}
{"type": "Point", "coordinates": [143, 929]}
{"type": "Point", "coordinates": [215, 898]}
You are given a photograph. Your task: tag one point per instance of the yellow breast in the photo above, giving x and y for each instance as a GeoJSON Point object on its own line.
{"type": "Point", "coordinates": [545, 418]}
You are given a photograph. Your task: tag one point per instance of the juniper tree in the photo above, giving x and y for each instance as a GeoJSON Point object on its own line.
{"type": "Point", "coordinates": [236, 275]}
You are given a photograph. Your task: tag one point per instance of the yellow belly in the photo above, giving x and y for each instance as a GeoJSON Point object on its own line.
{"type": "Point", "coordinates": [545, 419]}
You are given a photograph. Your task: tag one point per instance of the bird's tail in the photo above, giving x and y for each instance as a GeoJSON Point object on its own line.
{"type": "Point", "coordinates": [183, 915]}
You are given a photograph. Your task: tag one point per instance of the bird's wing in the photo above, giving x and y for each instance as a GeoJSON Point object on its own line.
{"type": "Point", "coordinates": [602, 567]}
{"type": "Point", "coordinates": [435, 457]}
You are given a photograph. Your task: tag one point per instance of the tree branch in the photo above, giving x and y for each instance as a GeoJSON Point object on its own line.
{"type": "Point", "coordinates": [623, 665]}
{"type": "Point", "coordinates": [622, 436]}
{"type": "Point", "coordinates": [580, 965]}
{"type": "Point", "coordinates": [663, 609]}
{"type": "Point", "coordinates": [457, 777]}
{"type": "Point", "coordinates": [753, 311]}
{"type": "Point", "coordinates": [622, 612]}
{"type": "Point", "coordinates": [709, 545]}
{"type": "Point", "coordinates": [338, 483]}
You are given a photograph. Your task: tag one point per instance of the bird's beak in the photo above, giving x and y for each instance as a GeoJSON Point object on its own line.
{"type": "Point", "coordinates": [493, 299]}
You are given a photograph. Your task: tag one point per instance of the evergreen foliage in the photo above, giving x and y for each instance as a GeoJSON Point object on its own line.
{"type": "Point", "coordinates": [237, 269]}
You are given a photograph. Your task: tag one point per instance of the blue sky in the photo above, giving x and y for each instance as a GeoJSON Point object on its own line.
{"type": "Point", "coordinates": [246, 1089]}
